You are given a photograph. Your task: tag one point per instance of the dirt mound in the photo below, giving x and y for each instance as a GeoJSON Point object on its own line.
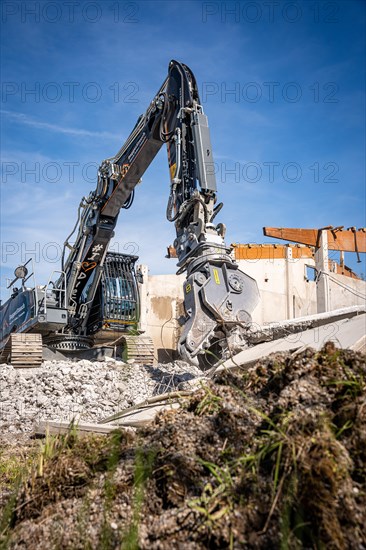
{"type": "Point", "coordinates": [270, 457]}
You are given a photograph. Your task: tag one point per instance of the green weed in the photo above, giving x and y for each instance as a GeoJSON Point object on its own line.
{"type": "Point", "coordinates": [144, 462]}
{"type": "Point", "coordinates": [210, 403]}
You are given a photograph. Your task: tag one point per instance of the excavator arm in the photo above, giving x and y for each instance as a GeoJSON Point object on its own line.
{"type": "Point", "coordinates": [218, 297]}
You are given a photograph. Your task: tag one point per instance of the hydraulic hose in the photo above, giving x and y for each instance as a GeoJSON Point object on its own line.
{"type": "Point", "coordinates": [69, 237]}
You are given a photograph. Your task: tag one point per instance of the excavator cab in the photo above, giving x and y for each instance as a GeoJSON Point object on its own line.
{"type": "Point", "coordinates": [115, 313]}
{"type": "Point", "coordinates": [116, 306]}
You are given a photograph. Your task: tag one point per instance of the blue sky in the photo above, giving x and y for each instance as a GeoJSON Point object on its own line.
{"type": "Point", "coordinates": [282, 84]}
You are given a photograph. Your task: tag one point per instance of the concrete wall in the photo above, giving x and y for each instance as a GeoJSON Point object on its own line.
{"type": "Point", "coordinates": [285, 292]}
{"type": "Point", "coordinates": [164, 304]}
{"type": "Point", "coordinates": [344, 291]}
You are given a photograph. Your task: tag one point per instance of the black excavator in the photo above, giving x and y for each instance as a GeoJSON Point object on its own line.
{"type": "Point", "coordinates": [94, 298]}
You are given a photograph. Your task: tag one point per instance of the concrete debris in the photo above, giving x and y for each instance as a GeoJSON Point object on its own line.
{"type": "Point", "coordinates": [83, 390]}
{"type": "Point", "coordinates": [89, 392]}
{"type": "Point", "coordinates": [345, 333]}
{"type": "Point", "coordinates": [281, 329]}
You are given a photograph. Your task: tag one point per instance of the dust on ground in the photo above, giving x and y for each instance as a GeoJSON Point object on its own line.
{"type": "Point", "coordinates": [268, 457]}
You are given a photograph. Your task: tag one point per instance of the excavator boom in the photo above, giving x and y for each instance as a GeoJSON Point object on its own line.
{"type": "Point", "coordinates": [218, 297]}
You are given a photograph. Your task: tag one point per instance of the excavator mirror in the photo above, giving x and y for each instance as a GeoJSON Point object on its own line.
{"type": "Point", "coordinates": [21, 272]}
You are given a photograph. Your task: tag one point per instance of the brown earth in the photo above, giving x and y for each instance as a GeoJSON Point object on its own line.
{"type": "Point", "coordinates": [268, 457]}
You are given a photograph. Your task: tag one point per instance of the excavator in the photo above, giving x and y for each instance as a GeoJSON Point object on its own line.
{"type": "Point", "coordinates": [94, 298]}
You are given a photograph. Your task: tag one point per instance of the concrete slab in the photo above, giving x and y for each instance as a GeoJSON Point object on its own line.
{"type": "Point", "coordinates": [136, 418]}
{"type": "Point", "coordinates": [55, 427]}
{"type": "Point", "coordinates": [345, 333]}
{"type": "Point", "coordinates": [281, 329]}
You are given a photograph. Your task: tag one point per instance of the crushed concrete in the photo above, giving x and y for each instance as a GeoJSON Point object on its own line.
{"type": "Point", "coordinates": [84, 390]}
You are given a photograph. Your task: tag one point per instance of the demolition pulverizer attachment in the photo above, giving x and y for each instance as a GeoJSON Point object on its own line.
{"type": "Point", "coordinates": [219, 300]}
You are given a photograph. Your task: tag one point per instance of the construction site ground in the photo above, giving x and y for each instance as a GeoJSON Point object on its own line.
{"type": "Point", "coordinates": [270, 455]}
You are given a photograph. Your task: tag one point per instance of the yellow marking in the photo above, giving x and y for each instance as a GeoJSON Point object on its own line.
{"type": "Point", "coordinates": [188, 288]}
{"type": "Point", "coordinates": [172, 170]}
{"type": "Point", "coordinates": [216, 276]}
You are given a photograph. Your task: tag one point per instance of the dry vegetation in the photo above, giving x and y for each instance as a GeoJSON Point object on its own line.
{"type": "Point", "coordinates": [271, 457]}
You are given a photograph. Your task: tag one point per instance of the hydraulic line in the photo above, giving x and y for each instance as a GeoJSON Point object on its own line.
{"type": "Point", "coordinates": [129, 201]}
{"type": "Point", "coordinates": [217, 209]}
{"type": "Point", "coordinates": [69, 237]}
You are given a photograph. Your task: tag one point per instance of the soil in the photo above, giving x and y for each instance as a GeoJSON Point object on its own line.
{"type": "Point", "coordinates": [267, 457]}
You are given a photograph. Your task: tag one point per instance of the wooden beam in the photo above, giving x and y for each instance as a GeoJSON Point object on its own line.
{"type": "Point", "coordinates": [349, 240]}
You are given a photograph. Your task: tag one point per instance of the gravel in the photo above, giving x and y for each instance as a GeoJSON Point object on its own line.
{"type": "Point", "coordinates": [85, 390]}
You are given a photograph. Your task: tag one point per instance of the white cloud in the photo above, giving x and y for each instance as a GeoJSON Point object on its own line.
{"type": "Point", "coordinates": [22, 118]}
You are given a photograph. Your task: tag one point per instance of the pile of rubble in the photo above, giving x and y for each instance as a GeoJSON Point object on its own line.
{"type": "Point", "coordinates": [84, 390]}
